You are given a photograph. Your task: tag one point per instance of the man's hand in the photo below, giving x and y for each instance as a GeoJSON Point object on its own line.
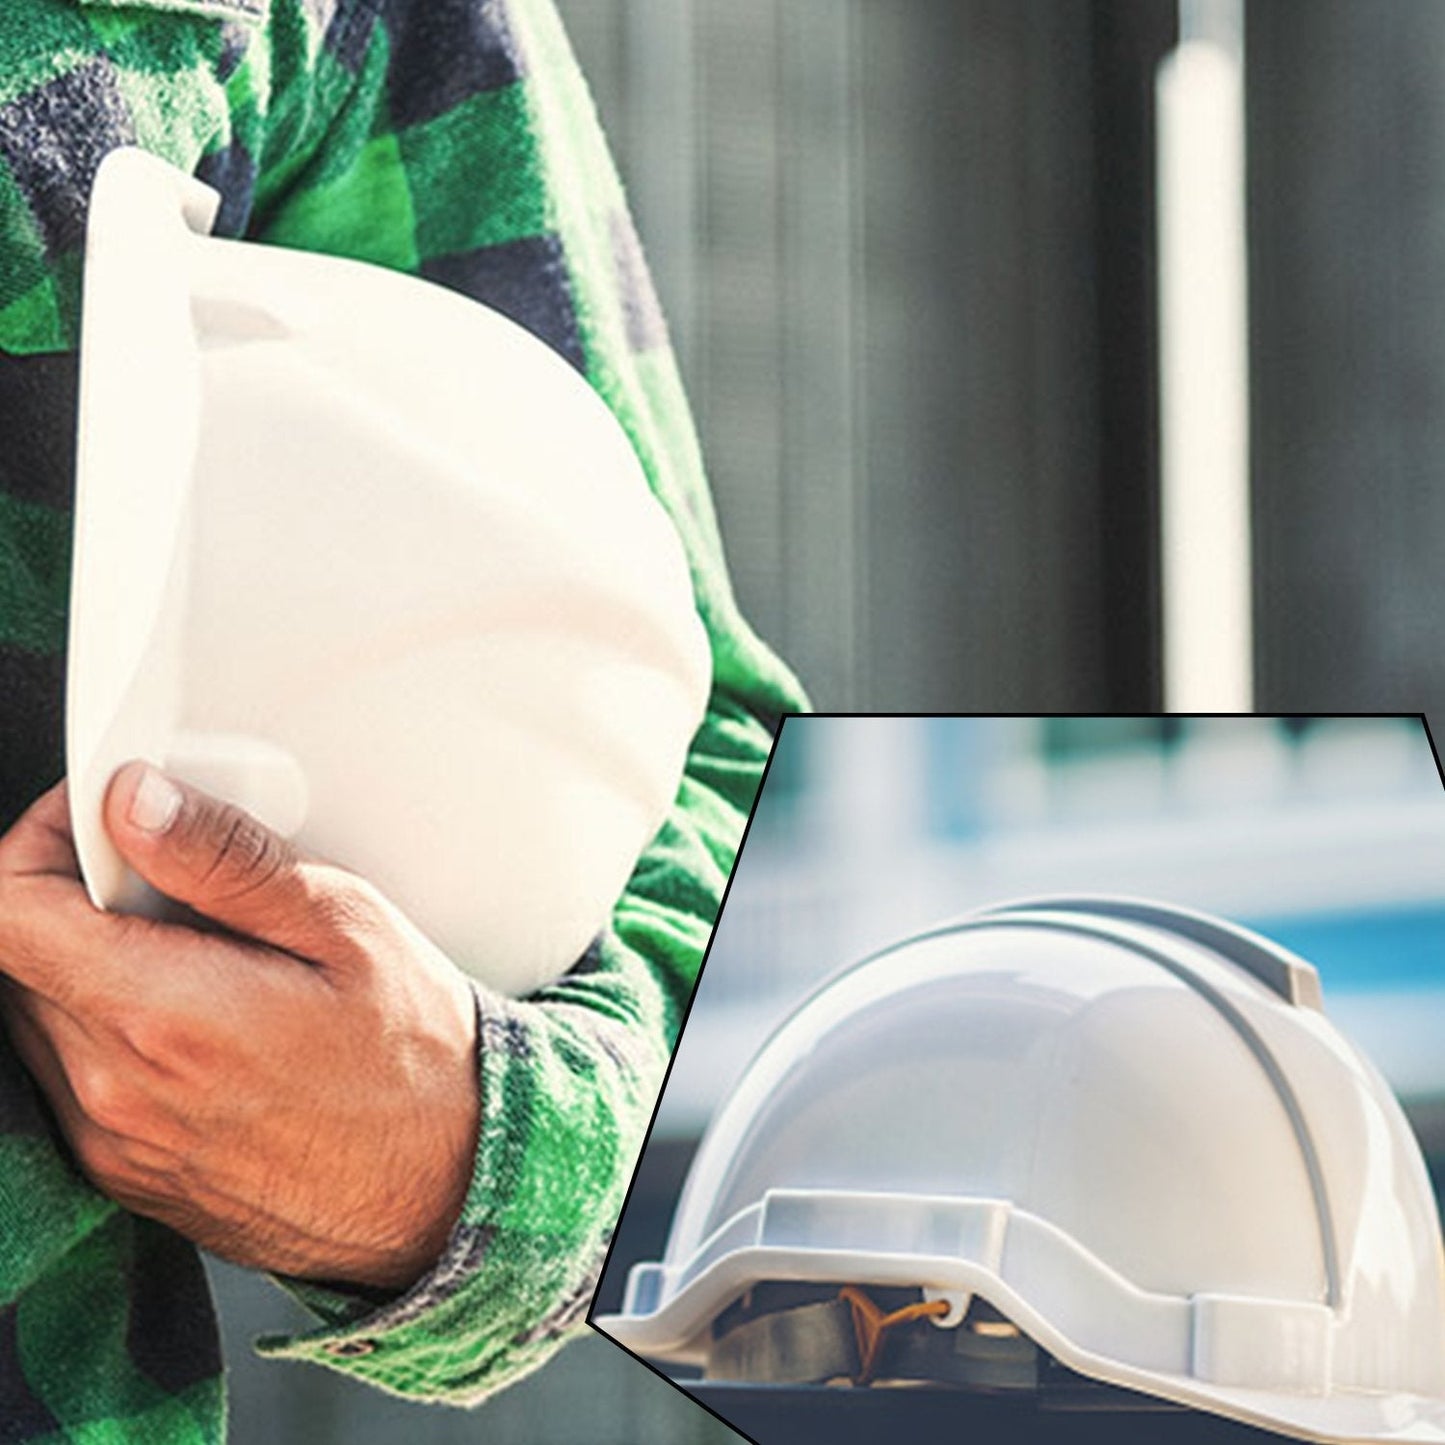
{"type": "Point", "coordinates": [297, 1094]}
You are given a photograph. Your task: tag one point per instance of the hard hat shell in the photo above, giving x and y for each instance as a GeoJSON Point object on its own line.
{"type": "Point", "coordinates": [367, 558]}
{"type": "Point", "coordinates": [1129, 1128]}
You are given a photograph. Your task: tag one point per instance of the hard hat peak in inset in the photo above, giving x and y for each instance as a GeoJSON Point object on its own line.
{"type": "Point", "coordinates": [370, 560]}
{"type": "Point", "coordinates": [1128, 1129]}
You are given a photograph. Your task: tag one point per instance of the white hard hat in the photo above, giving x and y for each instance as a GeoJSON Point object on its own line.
{"type": "Point", "coordinates": [1126, 1131]}
{"type": "Point", "coordinates": [365, 557]}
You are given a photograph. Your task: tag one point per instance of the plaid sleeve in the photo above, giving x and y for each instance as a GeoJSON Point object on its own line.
{"type": "Point", "coordinates": [106, 1326]}
{"type": "Point", "coordinates": [467, 151]}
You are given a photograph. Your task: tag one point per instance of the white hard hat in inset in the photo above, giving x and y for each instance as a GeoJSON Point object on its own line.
{"type": "Point", "coordinates": [365, 557]}
{"type": "Point", "coordinates": [1124, 1134]}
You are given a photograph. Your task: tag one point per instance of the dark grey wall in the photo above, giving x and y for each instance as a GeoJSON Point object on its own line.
{"type": "Point", "coordinates": [982, 570]}
{"type": "Point", "coordinates": [907, 256]}
{"type": "Point", "coordinates": [1347, 198]}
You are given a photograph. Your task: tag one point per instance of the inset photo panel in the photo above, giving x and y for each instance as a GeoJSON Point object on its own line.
{"type": "Point", "coordinates": [1074, 1079]}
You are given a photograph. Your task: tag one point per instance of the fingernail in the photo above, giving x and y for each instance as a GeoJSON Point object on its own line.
{"type": "Point", "coordinates": [155, 802]}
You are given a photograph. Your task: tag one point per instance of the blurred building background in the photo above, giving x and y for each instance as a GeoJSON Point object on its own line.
{"type": "Point", "coordinates": [909, 254]}
{"type": "Point", "coordinates": [1328, 835]}
{"type": "Point", "coordinates": [908, 251]}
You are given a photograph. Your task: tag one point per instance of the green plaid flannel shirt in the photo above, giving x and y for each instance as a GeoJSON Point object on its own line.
{"type": "Point", "coordinates": [453, 139]}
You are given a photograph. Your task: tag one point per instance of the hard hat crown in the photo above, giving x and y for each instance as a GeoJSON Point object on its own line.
{"type": "Point", "coordinates": [367, 558]}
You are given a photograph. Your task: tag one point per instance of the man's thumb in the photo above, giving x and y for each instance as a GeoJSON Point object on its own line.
{"type": "Point", "coordinates": [213, 857]}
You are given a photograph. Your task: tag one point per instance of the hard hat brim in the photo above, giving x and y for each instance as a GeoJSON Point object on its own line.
{"type": "Point", "coordinates": [677, 1331]}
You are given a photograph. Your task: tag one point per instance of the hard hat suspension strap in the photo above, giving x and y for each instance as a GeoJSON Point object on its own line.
{"type": "Point", "coordinates": [807, 1335]}
{"type": "Point", "coordinates": [870, 1324]}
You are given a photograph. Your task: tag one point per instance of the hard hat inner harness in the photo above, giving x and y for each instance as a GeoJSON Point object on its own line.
{"type": "Point", "coordinates": [783, 1333]}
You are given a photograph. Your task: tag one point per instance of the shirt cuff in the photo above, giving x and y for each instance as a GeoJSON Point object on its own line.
{"type": "Point", "coordinates": [390, 1342]}
{"type": "Point", "coordinates": [565, 1092]}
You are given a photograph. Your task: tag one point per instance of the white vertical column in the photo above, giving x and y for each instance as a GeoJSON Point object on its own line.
{"type": "Point", "coordinates": [1204, 364]}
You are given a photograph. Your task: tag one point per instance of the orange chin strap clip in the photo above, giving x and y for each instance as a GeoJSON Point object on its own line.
{"type": "Point", "coordinates": [870, 1325]}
